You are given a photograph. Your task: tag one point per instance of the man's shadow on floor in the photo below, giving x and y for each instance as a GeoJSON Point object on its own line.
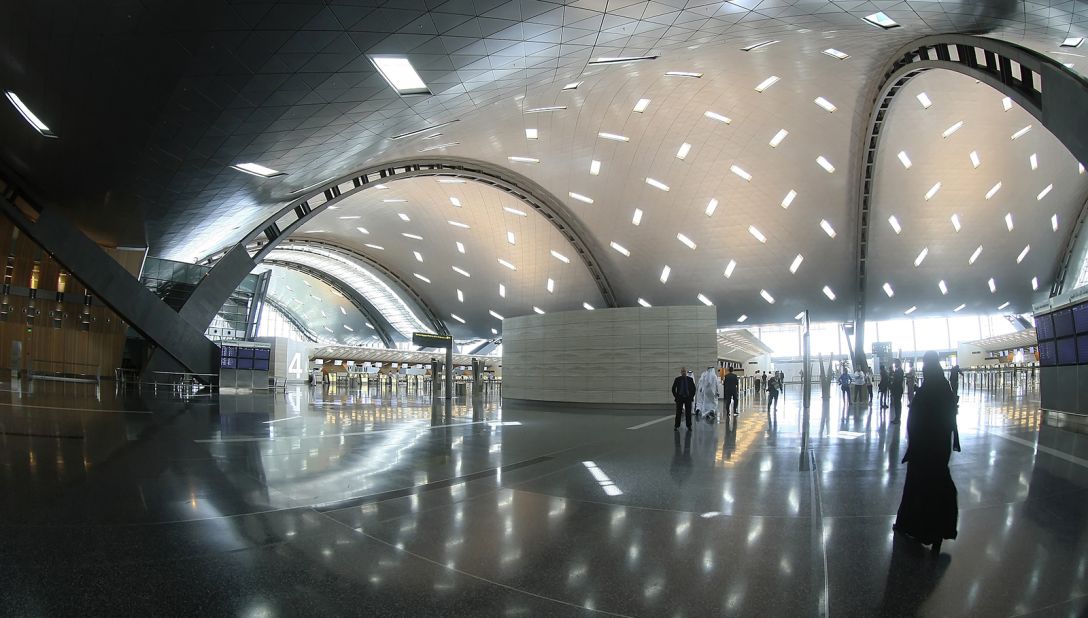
{"type": "Point", "coordinates": [913, 575]}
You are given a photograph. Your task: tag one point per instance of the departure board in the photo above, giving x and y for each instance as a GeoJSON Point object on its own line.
{"type": "Point", "coordinates": [1047, 354]}
{"type": "Point", "coordinates": [1067, 351]}
{"type": "Point", "coordinates": [1080, 318]}
{"type": "Point", "coordinates": [1082, 349]}
{"type": "Point", "coordinates": [1063, 322]}
{"type": "Point", "coordinates": [1044, 327]}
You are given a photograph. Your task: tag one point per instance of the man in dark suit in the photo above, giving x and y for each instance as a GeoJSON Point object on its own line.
{"type": "Point", "coordinates": [683, 392]}
{"type": "Point", "coordinates": [731, 389]}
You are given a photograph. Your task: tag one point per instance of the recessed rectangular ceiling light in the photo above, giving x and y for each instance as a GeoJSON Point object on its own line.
{"type": "Point", "coordinates": [514, 211]}
{"type": "Point", "coordinates": [550, 286]}
{"type": "Point", "coordinates": [636, 218]}
{"type": "Point", "coordinates": [881, 20]}
{"type": "Point", "coordinates": [644, 303]}
{"type": "Point", "coordinates": [921, 257]}
{"type": "Point", "coordinates": [422, 278]}
{"type": "Point", "coordinates": [463, 226]}
{"type": "Point", "coordinates": [594, 167]}
{"type": "Point", "coordinates": [542, 110]}
{"type": "Point", "coordinates": [1073, 41]}
{"type": "Point", "coordinates": [379, 187]}
{"type": "Point", "coordinates": [718, 117]}
{"type": "Point", "coordinates": [538, 310]}
{"type": "Point", "coordinates": [664, 278]}
{"type": "Point", "coordinates": [742, 317]}
{"type": "Point", "coordinates": [45, 131]}
{"type": "Point", "coordinates": [400, 74]}
{"type": "Point", "coordinates": [758, 235]}
{"type": "Point", "coordinates": [511, 238]}
{"type": "Point", "coordinates": [933, 191]}
{"type": "Point", "coordinates": [1008, 221]}
{"type": "Point", "coordinates": [620, 249]}
{"type": "Point", "coordinates": [904, 159]}
{"type": "Point", "coordinates": [993, 190]}
{"type": "Point", "coordinates": [955, 219]}
{"type": "Point", "coordinates": [952, 129]}
{"type": "Point", "coordinates": [363, 230]}
{"type": "Point", "coordinates": [502, 291]}
{"type": "Point", "coordinates": [767, 83]}
{"type": "Point", "coordinates": [974, 256]}
{"type": "Point", "coordinates": [460, 246]}
{"type": "Point", "coordinates": [457, 317]}
{"type": "Point", "coordinates": [1033, 161]}
{"type": "Point", "coordinates": [375, 247]}
{"type": "Point", "coordinates": [1023, 254]}
{"type": "Point", "coordinates": [767, 296]}
{"type": "Point", "coordinates": [1006, 103]}
{"type": "Point", "coordinates": [923, 98]}
{"type": "Point", "coordinates": [729, 268]}
{"type": "Point", "coordinates": [439, 146]}
{"type": "Point", "coordinates": [975, 161]}
{"type": "Point", "coordinates": [618, 59]}
{"type": "Point", "coordinates": [456, 202]}
{"type": "Point", "coordinates": [830, 231]}
{"type": "Point", "coordinates": [796, 263]}
{"type": "Point", "coordinates": [786, 201]}
{"type": "Point", "coordinates": [706, 301]}
{"type": "Point", "coordinates": [683, 151]}
{"type": "Point", "coordinates": [523, 159]}
{"type": "Point", "coordinates": [572, 86]}
{"type": "Point", "coordinates": [894, 222]}
{"type": "Point", "coordinates": [993, 286]}
{"type": "Point", "coordinates": [829, 293]}
{"type": "Point", "coordinates": [531, 134]}
{"type": "Point", "coordinates": [507, 264]}
{"type": "Point", "coordinates": [1020, 133]}
{"type": "Point", "coordinates": [1054, 222]}
{"type": "Point", "coordinates": [1080, 168]}
{"type": "Point", "coordinates": [1003, 305]}
{"type": "Point", "coordinates": [349, 217]}
{"type": "Point", "coordinates": [959, 308]}
{"type": "Point", "coordinates": [614, 137]}
{"type": "Point", "coordinates": [687, 241]}
{"type": "Point", "coordinates": [315, 232]}
{"type": "Point", "coordinates": [453, 181]}
{"type": "Point", "coordinates": [834, 53]}
{"type": "Point", "coordinates": [495, 315]}
{"type": "Point", "coordinates": [943, 287]}
{"type": "Point", "coordinates": [412, 236]}
{"type": "Point", "coordinates": [403, 217]}
{"type": "Point", "coordinates": [256, 169]}
{"type": "Point", "coordinates": [740, 172]}
{"type": "Point", "coordinates": [755, 46]}
{"type": "Point", "coordinates": [682, 74]}
{"type": "Point", "coordinates": [888, 289]}
{"type": "Point", "coordinates": [1044, 192]}
{"type": "Point", "coordinates": [912, 309]}
{"type": "Point", "coordinates": [778, 137]}
{"type": "Point", "coordinates": [419, 256]}
{"type": "Point", "coordinates": [657, 184]}
{"type": "Point", "coordinates": [587, 306]}
{"type": "Point", "coordinates": [424, 130]}
{"type": "Point", "coordinates": [1034, 283]}
{"type": "Point", "coordinates": [560, 257]}
{"type": "Point", "coordinates": [641, 105]}
{"type": "Point", "coordinates": [824, 103]}
{"type": "Point", "coordinates": [393, 201]}
{"type": "Point", "coordinates": [711, 206]}
{"type": "Point", "coordinates": [824, 163]}
{"type": "Point", "coordinates": [580, 197]}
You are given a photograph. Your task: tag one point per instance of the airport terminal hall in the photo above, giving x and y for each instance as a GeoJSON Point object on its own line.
{"type": "Point", "coordinates": [473, 308]}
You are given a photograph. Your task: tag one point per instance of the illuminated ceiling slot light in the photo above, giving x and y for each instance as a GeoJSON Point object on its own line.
{"type": "Point", "coordinates": [758, 235]}
{"type": "Point", "coordinates": [375, 247]}
{"type": "Point", "coordinates": [767, 83]}
{"type": "Point", "coordinates": [580, 197]}
{"type": "Point", "coordinates": [904, 159]}
{"type": "Point", "coordinates": [1044, 192]}
{"type": "Point", "coordinates": [729, 268]}
{"type": "Point", "coordinates": [1023, 254]}
{"type": "Point", "coordinates": [824, 163]}
{"type": "Point", "coordinates": [718, 117]}
{"type": "Point", "coordinates": [542, 110]}
{"type": "Point", "coordinates": [952, 129]}
{"type": "Point", "coordinates": [538, 310]}
{"type": "Point", "coordinates": [439, 146]}
{"type": "Point", "coordinates": [759, 45]}
{"type": "Point", "coordinates": [943, 287]}
{"type": "Point", "coordinates": [993, 190]}
{"type": "Point", "coordinates": [824, 103]}
{"type": "Point", "coordinates": [644, 303]}
{"type": "Point", "coordinates": [594, 167]}
{"type": "Point", "coordinates": [400, 74]}
{"type": "Point", "coordinates": [506, 264]}
{"type": "Point", "coordinates": [711, 206]}
{"type": "Point", "coordinates": [912, 309]}
{"type": "Point", "coordinates": [515, 211]}
{"type": "Point", "coordinates": [641, 105]}
{"type": "Point", "coordinates": [665, 272]}
{"type": "Point", "coordinates": [560, 257]}
{"type": "Point", "coordinates": [796, 263]}
{"type": "Point", "coordinates": [495, 315]}
{"type": "Point", "coordinates": [683, 74]}
{"type": "Point", "coordinates": [419, 256]}
{"type": "Point", "coordinates": [742, 317]}
{"type": "Point", "coordinates": [531, 134]}
{"type": "Point", "coordinates": [921, 257]}
{"type": "Point", "coordinates": [706, 301]}
{"type": "Point", "coordinates": [975, 161]}
{"type": "Point", "coordinates": [740, 172]}
{"type": "Point", "coordinates": [423, 130]}
{"type": "Point", "coordinates": [502, 291]}
{"type": "Point", "coordinates": [349, 217]}
{"type": "Point", "coordinates": [403, 216]}
{"type": "Point", "coordinates": [619, 59]}
{"type": "Point", "coordinates": [1080, 168]}
{"type": "Point", "coordinates": [955, 219]}
{"type": "Point", "coordinates": [1008, 221]}
{"type": "Point", "coordinates": [363, 230]}
{"type": "Point", "coordinates": [587, 306]}
{"type": "Point", "coordinates": [830, 231]}
{"type": "Point", "coordinates": [523, 159]}
{"type": "Point", "coordinates": [393, 200]}
{"type": "Point", "coordinates": [767, 296]}
{"type": "Point", "coordinates": [636, 218]}
{"type": "Point", "coordinates": [422, 278]}
{"type": "Point", "coordinates": [881, 20]}
{"type": "Point", "coordinates": [511, 238]}
{"type": "Point", "coordinates": [1033, 161]}
{"type": "Point", "coordinates": [254, 169]}
{"type": "Point", "coordinates": [923, 98]}
{"type": "Point", "coordinates": [455, 202]}
{"type": "Point", "coordinates": [894, 222]}
{"type": "Point", "coordinates": [460, 271]}
{"type": "Point", "coordinates": [786, 201]}
{"type": "Point", "coordinates": [460, 246]}
{"type": "Point", "coordinates": [888, 290]}
{"type": "Point", "coordinates": [683, 151]}
{"type": "Point", "coordinates": [829, 293]}
{"type": "Point", "coordinates": [453, 181]}
{"type": "Point", "coordinates": [834, 53]}
{"type": "Point", "coordinates": [550, 286]}
{"type": "Point", "coordinates": [932, 191]}
{"type": "Point", "coordinates": [620, 249]}
{"type": "Point", "coordinates": [974, 256]}
{"type": "Point", "coordinates": [657, 184]}
{"type": "Point", "coordinates": [39, 126]}
{"type": "Point", "coordinates": [614, 137]}
{"type": "Point", "coordinates": [1021, 133]}
{"type": "Point", "coordinates": [1003, 305]}
{"type": "Point", "coordinates": [1073, 41]}
{"type": "Point", "coordinates": [778, 137]}
{"type": "Point", "coordinates": [463, 226]}
{"type": "Point", "coordinates": [959, 308]}
{"type": "Point", "coordinates": [412, 236]}
{"type": "Point", "coordinates": [457, 317]}
{"type": "Point", "coordinates": [992, 285]}
{"type": "Point", "coordinates": [687, 241]}
{"type": "Point", "coordinates": [460, 296]}
{"type": "Point", "coordinates": [1054, 222]}
{"type": "Point", "coordinates": [572, 86]}
{"type": "Point", "coordinates": [1035, 283]}
{"type": "Point", "coordinates": [1006, 103]}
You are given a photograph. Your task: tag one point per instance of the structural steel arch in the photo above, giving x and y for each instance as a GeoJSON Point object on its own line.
{"type": "Point", "coordinates": [1044, 87]}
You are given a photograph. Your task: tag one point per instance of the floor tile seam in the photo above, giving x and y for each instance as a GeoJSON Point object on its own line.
{"type": "Point", "coordinates": [470, 575]}
{"type": "Point", "coordinates": [1030, 612]}
{"type": "Point", "coordinates": [660, 510]}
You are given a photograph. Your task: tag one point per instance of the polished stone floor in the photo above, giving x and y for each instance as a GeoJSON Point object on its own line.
{"type": "Point", "coordinates": [335, 502]}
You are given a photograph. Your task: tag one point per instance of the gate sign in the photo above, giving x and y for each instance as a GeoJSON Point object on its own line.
{"type": "Point", "coordinates": [428, 340]}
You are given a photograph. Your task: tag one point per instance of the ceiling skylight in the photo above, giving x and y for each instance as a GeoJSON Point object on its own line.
{"type": "Point", "coordinates": [830, 231]}
{"type": "Point", "coordinates": [419, 256]}
{"type": "Point", "coordinates": [456, 202]}
{"type": "Point", "coordinates": [959, 308]}
{"type": "Point", "coordinates": [349, 217]}
{"type": "Point", "coordinates": [687, 241]}
{"type": "Point", "coordinates": [796, 263]}
{"type": "Point", "coordinates": [711, 206]}
{"type": "Point", "coordinates": [993, 190]}
{"type": "Point", "coordinates": [460, 296]}
{"type": "Point", "coordinates": [767, 296]}
{"type": "Point", "coordinates": [1006, 103]}
{"type": "Point", "coordinates": [538, 310]}
{"type": "Point", "coordinates": [683, 151]}
{"type": "Point", "coordinates": [580, 197]}
{"type": "Point", "coordinates": [502, 291]}
{"type": "Point", "coordinates": [636, 218]}
{"type": "Point", "coordinates": [894, 222]}
{"type": "Point", "coordinates": [824, 163]}
{"type": "Point", "coordinates": [923, 98]}
{"type": "Point", "coordinates": [254, 169]}
{"type": "Point", "coordinates": [1033, 161]}
{"type": "Point", "coordinates": [758, 235]}
{"type": "Point", "coordinates": [531, 134]}
{"type": "Point", "coordinates": [572, 86]}
{"type": "Point", "coordinates": [1023, 254]}
{"type": "Point", "coordinates": [824, 103]}
{"type": "Point", "coordinates": [904, 159]}
{"type": "Point", "coordinates": [1073, 41]}
{"type": "Point", "coordinates": [943, 287]}
{"type": "Point", "coordinates": [786, 201]}
{"type": "Point", "coordinates": [439, 146]}
{"type": "Point", "coordinates": [560, 257]}
{"type": "Point", "coordinates": [400, 74]}
{"type": "Point", "coordinates": [542, 110]}
{"type": "Point", "coordinates": [932, 191]}
{"type": "Point", "coordinates": [454, 181]}
{"type": "Point", "coordinates": [507, 264]}
{"type": "Point", "coordinates": [718, 117]}
{"type": "Point", "coordinates": [829, 293]}
{"type": "Point", "coordinates": [594, 167]}
{"type": "Point", "coordinates": [620, 248]}
{"type": "Point", "coordinates": [664, 278]}
{"type": "Point", "coordinates": [657, 184]}
{"type": "Point", "coordinates": [767, 83]}
{"type": "Point", "coordinates": [706, 301]}
{"type": "Point", "coordinates": [1003, 305]}
{"type": "Point", "coordinates": [1034, 283]}
{"type": "Point", "coordinates": [1021, 133]}
{"type": "Point", "coordinates": [834, 53]}
{"type": "Point", "coordinates": [740, 172]}
{"type": "Point", "coordinates": [403, 216]}
{"type": "Point", "coordinates": [974, 256]}
{"type": "Point", "coordinates": [614, 137]}
{"type": "Point", "coordinates": [778, 137]}
{"type": "Point", "coordinates": [523, 159]}
{"type": "Point", "coordinates": [881, 20]}
{"type": "Point", "coordinates": [375, 247]}
{"type": "Point", "coordinates": [363, 230]}
{"type": "Point", "coordinates": [550, 286]}
{"type": "Point", "coordinates": [45, 131]}
{"type": "Point", "coordinates": [729, 268]}
{"type": "Point", "coordinates": [888, 289]}
{"type": "Point", "coordinates": [955, 219]}
{"type": "Point", "coordinates": [921, 257]}
{"type": "Point", "coordinates": [641, 106]}
{"type": "Point", "coordinates": [460, 271]}
{"type": "Point", "coordinates": [952, 129]}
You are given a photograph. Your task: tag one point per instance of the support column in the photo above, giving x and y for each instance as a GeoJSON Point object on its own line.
{"type": "Point", "coordinates": [449, 371]}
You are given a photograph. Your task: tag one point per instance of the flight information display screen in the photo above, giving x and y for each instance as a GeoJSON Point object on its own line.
{"type": "Point", "coordinates": [1047, 354]}
{"type": "Point", "coordinates": [1044, 327]}
{"type": "Point", "coordinates": [1067, 351]}
{"type": "Point", "coordinates": [1080, 318]}
{"type": "Point", "coordinates": [1082, 349]}
{"type": "Point", "coordinates": [1063, 322]}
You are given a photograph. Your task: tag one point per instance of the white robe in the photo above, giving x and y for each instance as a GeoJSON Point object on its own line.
{"type": "Point", "coordinates": [707, 392]}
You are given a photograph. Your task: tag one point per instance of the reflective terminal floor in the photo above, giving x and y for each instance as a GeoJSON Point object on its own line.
{"type": "Point", "coordinates": [333, 502]}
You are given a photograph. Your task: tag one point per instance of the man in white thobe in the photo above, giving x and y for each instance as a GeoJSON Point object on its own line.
{"type": "Point", "coordinates": [706, 401]}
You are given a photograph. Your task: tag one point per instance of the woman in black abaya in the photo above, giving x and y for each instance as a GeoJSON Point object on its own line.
{"type": "Point", "coordinates": [928, 511]}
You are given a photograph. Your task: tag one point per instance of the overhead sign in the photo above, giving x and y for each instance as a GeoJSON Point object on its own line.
{"type": "Point", "coordinates": [428, 340]}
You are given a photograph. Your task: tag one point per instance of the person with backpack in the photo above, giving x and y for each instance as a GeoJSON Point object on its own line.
{"type": "Point", "coordinates": [773, 386]}
{"type": "Point", "coordinates": [683, 392]}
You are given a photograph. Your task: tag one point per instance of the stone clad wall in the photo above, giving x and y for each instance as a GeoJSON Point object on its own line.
{"type": "Point", "coordinates": [607, 356]}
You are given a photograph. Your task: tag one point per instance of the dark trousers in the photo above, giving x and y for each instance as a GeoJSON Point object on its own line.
{"type": "Point", "coordinates": [684, 406]}
{"type": "Point", "coordinates": [846, 393]}
{"type": "Point", "coordinates": [731, 397]}
{"type": "Point", "coordinates": [897, 404]}
{"type": "Point", "coordinates": [772, 399]}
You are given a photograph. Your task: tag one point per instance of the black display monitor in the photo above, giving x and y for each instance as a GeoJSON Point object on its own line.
{"type": "Point", "coordinates": [1044, 327]}
{"type": "Point", "coordinates": [1080, 318]}
{"type": "Point", "coordinates": [262, 353]}
{"type": "Point", "coordinates": [1067, 351]}
{"type": "Point", "coordinates": [1047, 354]}
{"type": "Point", "coordinates": [245, 363]}
{"type": "Point", "coordinates": [1063, 322]}
{"type": "Point", "coordinates": [1082, 349]}
{"type": "Point", "coordinates": [260, 364]}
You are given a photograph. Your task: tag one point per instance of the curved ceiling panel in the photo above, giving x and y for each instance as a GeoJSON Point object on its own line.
{"type": "Point", "coordinates": [469, 249]}
{"type": "Point", "coordinates": [1015, 193]}
{"type": "Point", "coordinates": [325, 312]}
